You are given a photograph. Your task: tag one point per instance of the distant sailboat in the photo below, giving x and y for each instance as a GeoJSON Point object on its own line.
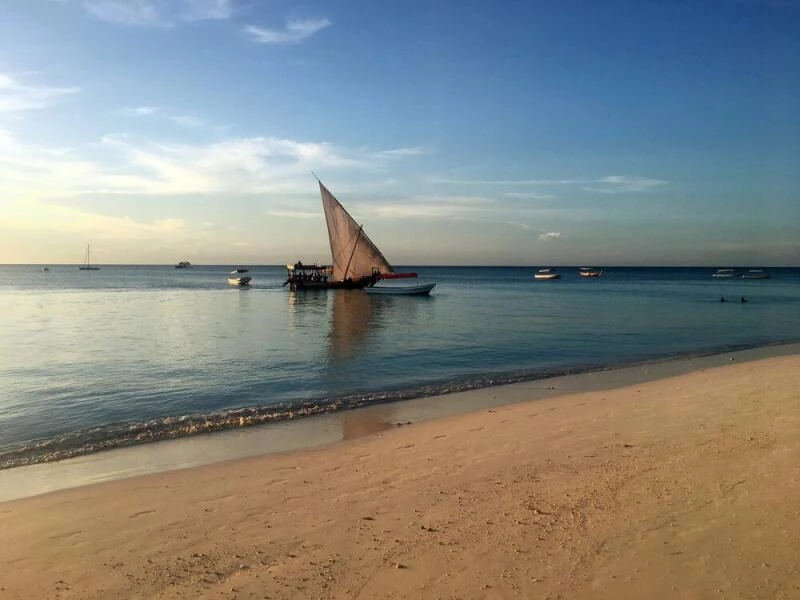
{"type": "Point", "coordinates": [87, 265]}
{"type": "Point", "coordinates": [356, 261]}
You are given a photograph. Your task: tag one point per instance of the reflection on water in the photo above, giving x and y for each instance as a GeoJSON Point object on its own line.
{"type": "Point", "coordinates": [352, 320]}
{"type": "Point", "coordinates": [307, 308]}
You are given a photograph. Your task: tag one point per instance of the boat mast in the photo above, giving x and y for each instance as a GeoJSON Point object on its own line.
{"type": "Point", "coordinates": [349, 260]}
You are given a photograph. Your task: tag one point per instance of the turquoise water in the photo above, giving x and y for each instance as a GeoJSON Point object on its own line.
{"type": "Point", "coordinates": [129, 354]}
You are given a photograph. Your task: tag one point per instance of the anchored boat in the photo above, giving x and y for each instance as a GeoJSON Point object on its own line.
{"type": "Point", "coordinates": [239, 277]}
{"type": "Point", "coordinates": [546, 275]}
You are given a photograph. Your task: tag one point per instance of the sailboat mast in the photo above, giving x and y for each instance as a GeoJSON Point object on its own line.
{"type": "Point", "coordinates": [349, 260]}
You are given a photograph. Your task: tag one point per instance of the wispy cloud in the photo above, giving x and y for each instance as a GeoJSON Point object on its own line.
{"type": "Point", "coordinates": [507, 182]}
{"type": "Point", "coordinates": [611, 184]}
{"type": "Point", "coordinates": [296, 214]}
{"type": "Point", "coordinates": [127, 12]}
{"type": "Point", "coordinates": [429, 206]}
{"type": "Point", "coordinates": [529, 196]}
{"type": "Point", "coordinates": [124, 165]}
{"type": "Point", "coordinates": [294, 32]}
{"type": "Point", "coordinates": [188, 120]}
{"type": "Point", "coordinates": [401, 152]}
{"type": "Point", "coordinates": [202, 10]}
{"type": "Point", "coordinates": [550, 235]}
{"type": "Point", "coordinates": [621, 184]}
{"type": "Point", "coordinates": [158, 13]}
{"type": "Point", "coordinates": [18, 97]}
{"type": "Point", "coordinates": [139, 111]}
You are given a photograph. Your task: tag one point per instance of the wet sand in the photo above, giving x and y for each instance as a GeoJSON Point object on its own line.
{"type": "Point", "coordinates": [684, 487]}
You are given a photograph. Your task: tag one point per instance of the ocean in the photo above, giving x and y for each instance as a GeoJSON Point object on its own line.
{"type": "Point", "coordinates": [91, 360]}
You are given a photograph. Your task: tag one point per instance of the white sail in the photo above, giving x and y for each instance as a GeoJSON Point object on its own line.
{"type": "Point", "coordinates": [352, 252]}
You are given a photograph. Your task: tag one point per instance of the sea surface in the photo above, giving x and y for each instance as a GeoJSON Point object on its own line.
{"type": "Point", "coordinates": [91, 360]}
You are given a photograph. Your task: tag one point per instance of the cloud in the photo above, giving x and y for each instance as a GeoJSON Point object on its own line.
{"type": "Point", "coordinates": [119, 164]}
{"type": "Point", "coordinates": [401, 152]}
{"type": "Point", "coordinates": [550, 235]}
{"type": "Point", "coordinates": [139, 111]}
{"type": "Point", "coordinates": [202, 10]}
{"type": "Point", "coordinates": [294, 32]}
{"type": "Point", "coordinates": [507, 182]}
{"type": "Point", "coordinates": [611, 184]}
{"type": "Point", "coordinates": [429, 206]}
{"type": "Point", "coordinates": [127, 12]}
{"type": "Point", "coordinates": [530, 196]}
{"type": "Point", "coordinates": [17, 97]}
{"type": "Point", "coordinates": [621, 184]}
{"type": "Point", "coordinates": [158, 13]}
{"type": "Point", "coordinates": [187, 120]}
{"type": "Point", "coordinates": [296, 214]}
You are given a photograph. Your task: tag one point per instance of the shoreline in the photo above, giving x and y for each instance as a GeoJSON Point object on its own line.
{"type": "Point", "coordinates": [331, 427]}
{"type": "Point", "coordinates": [680, 487]}
{"type": "Point", "coordinates": [126, 434]}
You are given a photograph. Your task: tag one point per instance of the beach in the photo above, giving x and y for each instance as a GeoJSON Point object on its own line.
{"type": "Point", "coordinates": [683, 487]}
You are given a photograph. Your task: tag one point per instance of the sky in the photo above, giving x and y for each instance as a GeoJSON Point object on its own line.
{"type": "Point", "coordinates": [532, 132]}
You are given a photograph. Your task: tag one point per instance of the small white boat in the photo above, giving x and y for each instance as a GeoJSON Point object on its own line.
{"type": "Point", "coordinates": [239, 277]}
{"type": "Point", "coordinates": [756, 274]}
{"type": "Point", "coordinates": [590, 272]}
{"type": "Point", "coordinates": [402, 290]}
{"type": "Point", "coordinates": [724, 274]}
{"type": "Point", "coordinates": [546, 274]}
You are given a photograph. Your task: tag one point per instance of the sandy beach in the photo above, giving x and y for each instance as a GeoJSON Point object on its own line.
{"type": "Point", "coordinates": [685, 487]}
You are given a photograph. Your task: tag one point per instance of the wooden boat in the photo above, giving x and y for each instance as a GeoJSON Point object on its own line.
{"type": "Point", "coordinates": [87, 264]}
{"type": "Point", "coordinates": [756, 274]}
{"type": "Point", "coordinates": [724, 274]}
{"type": "Point", "coordinates": [590, 272]}
{"type": "Point", "coordinates": [401, 290]}
{"type": "Point", "coordinates": [546, 275]}
{"type": "Point", "coordinates": [239, 277]}
{"type": "Point", "coordinates": [356, 262]}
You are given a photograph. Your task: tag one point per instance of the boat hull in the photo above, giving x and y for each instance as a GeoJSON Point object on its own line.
{"type": "Point", "coordinates": [348, 284]}
{"type": "Point", "coordinates": [546, 276]}
{"type": "Point", "coordinates": [239, 280]}
{"type": "Point", "coordinates": [407, 290]}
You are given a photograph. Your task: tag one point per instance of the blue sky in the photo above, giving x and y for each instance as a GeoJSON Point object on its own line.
{"type": "Point", "coordinates": [531, 132]}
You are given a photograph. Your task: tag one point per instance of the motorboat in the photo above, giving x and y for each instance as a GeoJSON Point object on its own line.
{"type": "Point", "coordinates": [401, 290]}
{"type": "Point", "coordinates": [590, 272]}
{"type": "Point", "coordinates": [724, 274]}
{"type": "Point", "coordinates": [756, 274]}
{"type": "Point", "coordinates": [546, 274]}
{"type": "Point", "coordinates": [239, 277]}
